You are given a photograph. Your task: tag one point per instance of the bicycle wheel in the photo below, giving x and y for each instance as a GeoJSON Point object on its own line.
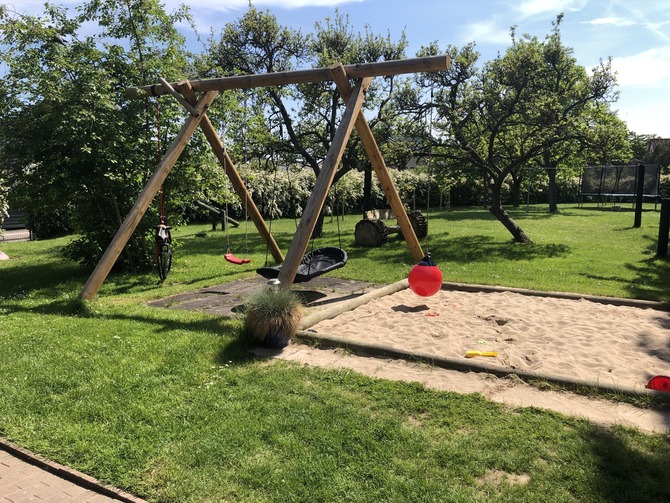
{"type": "Point", "coordinates": [164, 261]}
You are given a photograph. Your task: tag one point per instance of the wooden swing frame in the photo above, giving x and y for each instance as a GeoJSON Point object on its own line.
{"type": "Point", "coordinates": [186, 93]}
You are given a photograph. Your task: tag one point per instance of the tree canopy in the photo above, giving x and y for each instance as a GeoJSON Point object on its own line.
{"type": "Point", "coordinates": [76, 153]}
{"type": "Point", "coordinates": [517, 110]}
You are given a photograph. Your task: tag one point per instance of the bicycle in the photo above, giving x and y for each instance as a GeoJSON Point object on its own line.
{"type": "Point", "coordinates": [163, 250]}
{"type": "Point", "coordinates": [163, 239]}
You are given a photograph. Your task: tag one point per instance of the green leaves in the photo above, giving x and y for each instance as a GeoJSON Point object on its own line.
{"type": "Point", "coordinates": [73, 145]}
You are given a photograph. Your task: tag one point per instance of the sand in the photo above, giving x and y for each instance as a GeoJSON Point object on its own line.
{"type": "Point", "coordinates": [619, 346]}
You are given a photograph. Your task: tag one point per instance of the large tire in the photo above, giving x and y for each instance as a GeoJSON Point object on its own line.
{"type": "Point", "coordinates": [419, 224]}
{"type": "Point", "coordinates": [164, 261]}
{"type": "Point", "coordinates": [371, 233]}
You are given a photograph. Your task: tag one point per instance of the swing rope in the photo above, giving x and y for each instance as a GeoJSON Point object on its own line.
{"type": "Point", "coordinates": [430, 168]}
{"type": "Point", "coordinates": [162, 218]}
{"type": "Point", "coordinates": [272, 205]}
{"type": "Point", "coordinates": [229, 255]}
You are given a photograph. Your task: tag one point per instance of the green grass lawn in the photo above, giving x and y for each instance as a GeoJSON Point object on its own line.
{"type": "Point", "coordinates": [168, 406]}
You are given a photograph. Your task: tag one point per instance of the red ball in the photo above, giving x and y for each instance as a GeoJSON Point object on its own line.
{"type": "Point", "coordinates": [425, 278]}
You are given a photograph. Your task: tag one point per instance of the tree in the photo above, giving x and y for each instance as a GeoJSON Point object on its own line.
{"type": "Point", "coordinates": [308, 114]}
{"type": "Point", "coordinates": [640, 144]}
{"type": "Point", "coordinates": [659, 154]}
{"type": "Point", "coordinates": [76, 148]}
{"type": "Point", "coordinates": [504, 117]}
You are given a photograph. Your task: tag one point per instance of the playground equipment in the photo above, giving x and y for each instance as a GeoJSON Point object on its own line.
{"type": "Point", "coordinates": [616, 182]}
{"type": "Point", "coordinates": [313, 264]}
{"type": "Point", "coordinates": [218, 215]}
{"type": "Point", "coordinates": [353, 116]}
{"type": "Point", "coordinates": [425, 278]}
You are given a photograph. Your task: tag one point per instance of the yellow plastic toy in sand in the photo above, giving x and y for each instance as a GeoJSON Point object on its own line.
{"type": "Point", "coordinates": [473, 353]}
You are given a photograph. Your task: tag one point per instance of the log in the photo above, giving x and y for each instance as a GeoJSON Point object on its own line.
{"type": "Point", "coordinates": [371, 233]}
{"type": "Point", "coordinates": [330, 313]}
{"type": "Point", "coordinates": [377, 69]}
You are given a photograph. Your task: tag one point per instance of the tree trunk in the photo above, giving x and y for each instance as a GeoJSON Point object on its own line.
{"type": "Point", "coordinates": [509, 223]}
{"type": "Point", "coordinates": [516, 191]}
{"type": "Point", "coordinates": [553, 192]}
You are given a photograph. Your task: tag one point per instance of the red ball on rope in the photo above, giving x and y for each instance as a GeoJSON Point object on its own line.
{"type": "Point", "coordinates": [425, 278]}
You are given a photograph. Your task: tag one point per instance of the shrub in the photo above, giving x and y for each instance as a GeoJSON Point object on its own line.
{"type": "Point", "coordinates": [272, 317]}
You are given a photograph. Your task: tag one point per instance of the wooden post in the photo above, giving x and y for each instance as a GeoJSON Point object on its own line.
{"type": "Point", "coordinates": [234, 177]}
{"type": "Point", "coordinates": [144, 200]}
{"type": "Point", "coordinates": [323, 182]}
{"type": "Point", "coordinates": [377, 160]}
{"type": "Point", "coordinates": [663, 229]}
{"type": "Point", "coordinates": [639, 192]}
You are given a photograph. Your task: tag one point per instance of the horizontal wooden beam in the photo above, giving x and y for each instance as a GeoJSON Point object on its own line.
{"type": "Point", "coordinates": [378, 69]}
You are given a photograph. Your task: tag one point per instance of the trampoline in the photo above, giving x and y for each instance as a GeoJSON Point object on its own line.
{"type": "Point", "coordinates": [619, 181]}
{"type": "Point", "coordinates": [313, 264]}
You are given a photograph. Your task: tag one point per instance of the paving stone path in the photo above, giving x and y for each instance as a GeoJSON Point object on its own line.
{"type": "Point", "coordinates": [26, 477]}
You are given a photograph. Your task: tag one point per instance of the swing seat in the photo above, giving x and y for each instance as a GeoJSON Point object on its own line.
{"type": "Point", "coordinates": [235, 260]}
{"type": "Point", "coordinates": [313, 264]}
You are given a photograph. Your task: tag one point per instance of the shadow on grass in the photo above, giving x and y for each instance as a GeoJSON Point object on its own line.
{"type": "Point", "coordinates": [468, 249]}
{"type": "Point", "coordinates": [51, 280]}
{"type": "Point", "coordinates": [627, 470]}
{"type": "Point", "coordinates": [534, 212]}
{"type": "Point", "coordinates": [233, 348]}
{"type": "Point", "coordinates": [483, 214]}
{"type": "Point", "coordinates": [652, 277]}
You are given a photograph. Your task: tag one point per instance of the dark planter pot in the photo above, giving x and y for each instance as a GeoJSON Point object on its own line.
{"type": "Point", "coordinates": [277, 340]}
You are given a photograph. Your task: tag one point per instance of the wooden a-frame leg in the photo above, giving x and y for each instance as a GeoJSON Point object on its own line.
{"type": "Point", "coordinates": [377, 161]}
{"type": "Point", "coordinates": [143, 202]}
{"type": "Point", "coordinates": [323, 182]}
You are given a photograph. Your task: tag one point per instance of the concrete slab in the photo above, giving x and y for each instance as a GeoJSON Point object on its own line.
{"type": "Point", "coordinates": [228, 299]}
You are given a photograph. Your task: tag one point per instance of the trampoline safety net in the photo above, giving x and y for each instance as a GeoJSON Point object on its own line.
{"type": "Point", "coordinates": [619, 180]}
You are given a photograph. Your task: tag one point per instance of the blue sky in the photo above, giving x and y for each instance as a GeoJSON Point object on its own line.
{"type": "Point", "coordinates": [635, 34]}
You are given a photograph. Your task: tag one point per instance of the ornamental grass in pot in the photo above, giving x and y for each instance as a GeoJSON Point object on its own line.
{"type": "Point", "coordinates": [272, 316]}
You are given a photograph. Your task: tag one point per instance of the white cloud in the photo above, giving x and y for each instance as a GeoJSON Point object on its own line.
{"type": "Point", "coordinates": [613, 21]}
{"type": "Point", "coordinates": [642, 115]}
{"type": "Point", "coordinates": [487, 32]}
{"type": "Point", "coordinates": [529, 8]}
{"type": "Point", "coordinates": [36, 7]}
{"type": "Point", "coordinates": [236, 5]}
{"type": "Point", "coordinates": [648, 68]}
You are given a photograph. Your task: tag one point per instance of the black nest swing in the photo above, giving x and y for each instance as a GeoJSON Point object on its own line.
{"type": "Point", "coordinates": [313, 264]}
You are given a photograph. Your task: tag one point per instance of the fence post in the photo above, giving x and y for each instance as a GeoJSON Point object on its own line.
{"type": "Point", "coordinates": [663, 229]}
{"type": "Point", "coordinates": [639, 190]}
